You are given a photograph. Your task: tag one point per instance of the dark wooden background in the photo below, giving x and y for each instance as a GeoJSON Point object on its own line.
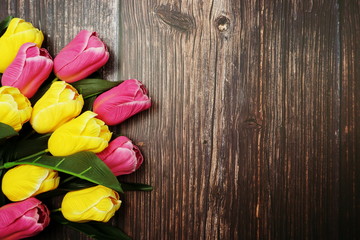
{"type": "Point", "coordinates": [254, 130]}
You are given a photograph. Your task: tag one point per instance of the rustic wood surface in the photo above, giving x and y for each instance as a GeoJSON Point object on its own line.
{"type": "Point", "coordinates": [254, 131]}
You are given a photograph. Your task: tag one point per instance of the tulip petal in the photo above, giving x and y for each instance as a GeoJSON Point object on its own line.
{"type": "Point", "coordinates": [23, 219]}
{"type": "Point", "coordinates": [82, 56]}
{"type": "Point", "coordinates": [24, 181]}
{"type": "Point", "coordinates": [9, 116]}
{"type": "Point", "coordinates": [128, 162]}
{"type": "Point", "coordinates": [72, 49]}
{"type": "Point", "coordinates": [92, 128]}
{"type": "Point", "coordinates": [58, 105]}
{"type": "Point", "coordinates": [17, 33]}
{"type": "Point", "coordinates": [90, 60]}
{"type": "Point", "coordinates": [12, 72]}
{"type": "Point", "coordinates": [17, 190]}
{"type": "Point", "coordinates": [28, 70]}
{"type": "Point", "coordinates": [50, 118]}
{"type": "Point", "coordinates": [29, 35]}
{"type": "Point", "coordinates": [15, 108]}
{"type": "Point", "coordinates": [36, 71]}
{"type": "Point", "coordinates": [84, 133]}
{"type": "Point", "coordinates": [51, 181]}
{"type": "Point", "coordinates": [96, 203]}
{"type": "Point", "coordinates": [122, 156]}
{"type": "Point", "coordinates": [8, 213]}
{"type": "Point", "coordinates": [119, 103]}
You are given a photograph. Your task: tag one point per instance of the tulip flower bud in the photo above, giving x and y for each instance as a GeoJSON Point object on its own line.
{"type": "Point", "coordinates": [97, 203]}
{"type": "Point", "coordinates": [30, 68]}
{"type": "Point", "coordinates": [121, 102]}
{"type": "Point", "coordinates": [122, 156]}
{"type": "Point", "coordinates": [58, 105]}
{"type": "Point", "coordinates": [17, 33]}
{"type": "Point", "coordinates": [85, 54]}
{"type": "Point", "coordinates": [15, 108]}
{"type": "Point", "coordinates": [24, 181]}
{"type": "Point", "coordinates": [23, 219]}
{"type": "Point", "coordinates": [84, 133]}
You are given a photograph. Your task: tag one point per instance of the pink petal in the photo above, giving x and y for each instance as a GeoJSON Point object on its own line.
{"type": "Point", "coordinates": [13, 211]}
{"type": "Point", "coordinates": [121, 102]}
{"type": "Point", "coordinates": [30, 68]}
{"type": "Point", "coordinates": [95, 42]}
{"type": "Point", "coordinates": [83, 65]}
{"type": "Point", "coordinates": [113, 145]}
{"type": "Point", "coordinates": [72, 49]}
{"type": "Point", "coordinates": [14, 70]}
{"type": "Point", "coordinates": [122, 156]}
{"type": "Point", "coordinates": [115, 114]}
{"type": "Point", "coordinates": [23, 219]}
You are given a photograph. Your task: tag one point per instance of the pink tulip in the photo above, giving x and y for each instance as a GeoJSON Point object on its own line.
{"type": "Point", "coordinates": [85, 54]}
{"type": "Point", "coordinates": [30, 68]}
{"type": "Point", "coordinates": [23, 219]}
{"type": "Point", "coordinates": [122, 156]}
{"type": "Point", "coordinates": [121, 102]}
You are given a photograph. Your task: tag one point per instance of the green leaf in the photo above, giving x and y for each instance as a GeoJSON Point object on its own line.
{"type": "Point", "coordinates": [6, 132]}
{"type": "Point", "coordinates": [4, 24]}
{"type": "Point", "coordinates": [136, 187]}
{"type": "Point", "coordinates": [96, 230]}
{"type": "Point", "coordinates": [84, 165]}
{"type": "Point", "coordinates": [89, 87]}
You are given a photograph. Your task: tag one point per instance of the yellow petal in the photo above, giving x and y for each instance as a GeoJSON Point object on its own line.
{"type": "Point", "coordinates": [24, 181]}
{"type": "Point", "coordinates": [97, 203]}
{"type": "Point", "coordinates": [80, 134]}
{"type": "Point", "coordinates": [15, 108]}
{"type": "Point", "coordinates": [49, 183]}
{"type": "Point", "coordinates": [17, 33]}
{"type": "Point", "coordinates": [10, 116]}
{"type": "Point", "coordinates": [92, 128]}
{"type": "Point", "coordinates": [58, 105]}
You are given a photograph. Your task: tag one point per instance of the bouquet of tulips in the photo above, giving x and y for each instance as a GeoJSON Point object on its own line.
{"type": "Point", "coordinates": [55, 138]}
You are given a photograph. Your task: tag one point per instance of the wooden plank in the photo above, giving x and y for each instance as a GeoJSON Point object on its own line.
{"type": "Point", "coordinates": [349, 198]}
{"type": "Point", "coordinates": [247, 117]}
{"type": "Point", "coordinates": [299, 143]}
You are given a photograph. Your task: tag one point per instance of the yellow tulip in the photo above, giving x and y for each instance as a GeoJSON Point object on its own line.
{"type": "Point", "coordinates": [97, 203]}
{"type": "Point", "coordinates": [84, 133]}
{"type": "Point", "coordinates": [15, 108]}
{"type": "Point", "coordinates": [58, 105]}
{"type": "Point", "coordinates": [24, 181]}
{"type": "Point", "coordinates": [17, 33]}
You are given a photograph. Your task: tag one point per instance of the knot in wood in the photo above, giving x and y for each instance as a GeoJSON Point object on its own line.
{"type": "Point", "coordinates": [178, 20]}
{"type": "Point", "coordinates": [222, 23]}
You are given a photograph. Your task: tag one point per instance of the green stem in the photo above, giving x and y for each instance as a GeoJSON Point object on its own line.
{"type": "Point", "coordinates": [11, 164]}
{"type": "Point", "coordinates": [91, 95]}
{"type": "Point", "coordinates": [56, 210]}
{"type": "Point", "coordinates": [55, 79]}
{"type": "Point", "coordinates": [34, 155]}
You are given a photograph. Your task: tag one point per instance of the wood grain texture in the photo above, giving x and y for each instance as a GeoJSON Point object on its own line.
{"type": "Point", "coordinates": [350, 115]}
{"type": "Point", "coordinates": [253, 132]}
